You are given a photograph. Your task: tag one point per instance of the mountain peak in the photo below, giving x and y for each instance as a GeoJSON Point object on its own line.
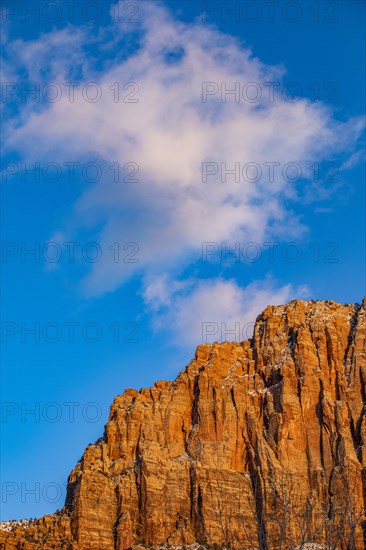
{"type": "Point", "coordinates": [254, 444]}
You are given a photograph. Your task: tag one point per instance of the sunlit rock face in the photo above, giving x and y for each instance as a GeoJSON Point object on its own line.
{"type": "Point", "coordinates": [258, 444]}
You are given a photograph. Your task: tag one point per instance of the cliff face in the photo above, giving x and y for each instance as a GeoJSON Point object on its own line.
{"type": "Point", "coordinates": [258, 444]}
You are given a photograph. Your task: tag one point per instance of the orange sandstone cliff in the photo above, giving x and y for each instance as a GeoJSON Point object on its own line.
{"type": "Point", "coordinates": [258, 444]}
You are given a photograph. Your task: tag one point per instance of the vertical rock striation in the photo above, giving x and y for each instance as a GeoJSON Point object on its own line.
{"type": "Point", "coordinates": [259, 444]}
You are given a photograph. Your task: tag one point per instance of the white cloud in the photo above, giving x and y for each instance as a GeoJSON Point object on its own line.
{"type": "Point", "coordinates": [169, 212]}
{"type": "Point", "coordinates": [353, 160]}
{"type": "Point", "coordinates": [214, 310]}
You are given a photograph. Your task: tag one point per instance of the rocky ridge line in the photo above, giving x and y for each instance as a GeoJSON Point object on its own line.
{"type": "Point", "coordinates": [256, 444]}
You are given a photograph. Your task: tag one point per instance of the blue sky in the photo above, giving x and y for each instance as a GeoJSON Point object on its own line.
{"type": "Point", "coordinates": [129, 272]}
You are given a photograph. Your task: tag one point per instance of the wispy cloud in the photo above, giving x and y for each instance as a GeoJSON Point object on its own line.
{"type": "Point", "coordinates": [169, 132]}
{"type": "Point", "coordinates": [215, 310]}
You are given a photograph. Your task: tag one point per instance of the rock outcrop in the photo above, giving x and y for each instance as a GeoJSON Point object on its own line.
{"type": "Point", "coordinates": [258, 444]}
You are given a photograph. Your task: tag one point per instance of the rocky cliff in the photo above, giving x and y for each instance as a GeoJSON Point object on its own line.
{"type": "Point", "coordinates": [258, 444]}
